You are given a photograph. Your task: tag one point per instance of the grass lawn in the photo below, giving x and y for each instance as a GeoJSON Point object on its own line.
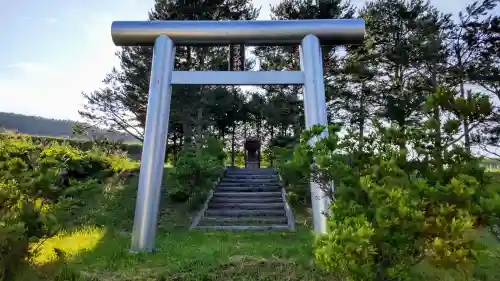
{"type": "Point", "coordinates": [97, 249]}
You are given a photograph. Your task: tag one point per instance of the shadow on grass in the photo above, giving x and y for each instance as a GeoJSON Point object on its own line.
{"type": "Point", "coordinates": [96, 248]}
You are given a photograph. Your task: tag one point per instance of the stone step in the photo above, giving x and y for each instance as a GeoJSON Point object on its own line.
{"type": "Point", "coordinates": [263, 194]}
{"type": "Point", "coordinates": [233, 188]}
{"type": "Point", "coordinates": [223, 183]}
{"type": "Point", "coordinates": [250, 174]}
{"type": "Point", "coordinates": [247, 206]}
{"type": "Point", "coordinates": [221, 199]}
{"type": "Point", "coordinates": [243, 227]}
{"type": "Point", "coordinates": [251, 177]}
{"type": "Point", "coordinates": [257, 171]}
{"type": "Point", "coordinates": [236, 180]}
{"type": "Point", "coordinates": [243, 213]}
{"type": "Point", "coordinates": [244, 220]}
{"type": "Point", "coordinates": [249, 183]}
{"type": "Point", "coordinates": [264, 175]}
{"type": "Point", "coordinates": [230, 179]}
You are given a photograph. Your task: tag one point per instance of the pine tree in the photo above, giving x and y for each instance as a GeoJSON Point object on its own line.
{"type": "Point", "coordinates": [396, 38]}
{"type": "Point", "coordinates": [482, 33]}
{"type": "Point", "coordinates": [466, 50]}
{"type": "Point", "coordinates": [122, 103]}
{"type": "Point", "coordinates": [285, 111]}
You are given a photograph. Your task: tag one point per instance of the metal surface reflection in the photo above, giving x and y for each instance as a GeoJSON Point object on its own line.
{"type": "Point", "coordinates": [272, 32]}
{"type": "Point", "coordinates": [165, 35]}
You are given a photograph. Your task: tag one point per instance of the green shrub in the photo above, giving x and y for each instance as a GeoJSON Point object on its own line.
{"type": "Point", "coordinates": [133, 150]}
{"type": "Point", "coordinates": [293, 175]}
{"type": "Point", "coordinates": [390, 213]}
{"type": "Point", "coordinates": [20, 221]}
{"type": "Point", "coordinates": [42, 187]}
{"type": "Point", "coordinates": [195, 171]}
{"type": "Point", "coordinates": [214, 148]}
{"type": "Point", "coordinates": [239, 159]}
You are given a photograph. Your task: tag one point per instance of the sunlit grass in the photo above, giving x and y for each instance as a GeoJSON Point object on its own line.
{"type": "Point", "coordinates": [102, 254]}
{"type": "Point", "coordinates": [99, 251]}
{"type": "Point", "coordinates": [72, 244]}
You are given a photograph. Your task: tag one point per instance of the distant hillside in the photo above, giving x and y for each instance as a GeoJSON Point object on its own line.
{"type": "Point", "coordinates": [40, 126]}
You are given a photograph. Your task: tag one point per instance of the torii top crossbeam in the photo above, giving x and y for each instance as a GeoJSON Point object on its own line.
{"type": "Point", "coordinates": [256, 32]}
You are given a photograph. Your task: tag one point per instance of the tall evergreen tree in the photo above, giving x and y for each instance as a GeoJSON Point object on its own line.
{"type": "Point", "coordinates": [285, 114]}
{"type": "Point", "coordinates": [483, 34]}
{"type": "Point", "coordinates": [396, 35]}
{"type": "Point", "coordinates": [355, 100]}
{"type": "Point", "coordinates": [123, 102]}
{"type": "Point", "coordinates": [466, 50]}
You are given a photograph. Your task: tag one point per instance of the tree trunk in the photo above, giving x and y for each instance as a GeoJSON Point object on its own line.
{"type": "Point", "coordinates": [401, 123]}
{"type": "Point", "coordinates": [438, 145]}
{"type": "Point", "coordinates": [199, 116]}
{"type": "Point", "coordinates": [232, 145]}
{"type": "Point", "coordinates": [199, 127]}
{"type": "Point", "coordinates": [467, 96]}
{"type": "Point", "coordinates": [400, 83]}
{"type": "Point", "coordinates": [362, 118]}
{"type": "Point", "coordinates": [175, 150]}
{"type": "Point", "coordinates": [244, 138]}
{"type": "Point", "coordinates": [186, 126]}
{"type": "Point", "coordinates": [186, 129]}
{"type": "Point", "coordinates": [259, 128]}
{"type": "Point", "coordinates": [271, 154]}
{"type": "Point", "coordinates": [466, 124]}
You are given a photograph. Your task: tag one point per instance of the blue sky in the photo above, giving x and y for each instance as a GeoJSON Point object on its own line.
{"type": "Point", "coordinates": [53, 50]}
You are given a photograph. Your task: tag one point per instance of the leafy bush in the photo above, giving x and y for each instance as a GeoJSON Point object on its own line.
{"type": "Point", "coordinates": [195, 171]}
{"type": "Point", "coordinates": [213, 147]}
{"type": "Point", "coordinates": [284, 141]}
{"type": "Point", "coordinates": [276, 149]}
{"type": "Point", "coordinates": [41, 186]}
{"type": "Point", "coordinates": [20, 221]}
{"type": "Point", "coordinates": [294, 177]}
{"type": "Point", "coordinates": [391, 212]}
{"type": "Point", "coordinates": [133, 150]}
{"type": "Point", "coordinates": [239, 159]}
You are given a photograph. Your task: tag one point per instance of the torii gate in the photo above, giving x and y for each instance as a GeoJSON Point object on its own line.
{"type": "Point", "coordinates": [164, 35]}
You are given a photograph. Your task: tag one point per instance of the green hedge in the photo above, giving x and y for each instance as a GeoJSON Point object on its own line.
{"type": "Point", "coordinates": [134, 150]}
{"type": "Point", "coordinates": [195, 171]}
{"type": "Point", "coordinates": [41, 185]}
{"type": "Point", "coordinates": [390, 212]}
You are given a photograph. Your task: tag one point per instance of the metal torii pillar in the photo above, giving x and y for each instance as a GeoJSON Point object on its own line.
{"type": "Point", "coordinates": [164, 35]}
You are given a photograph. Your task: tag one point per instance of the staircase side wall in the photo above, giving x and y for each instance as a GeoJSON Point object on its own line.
{"type": "Point", "coordinates": [288, 208]}
{"type": "Point", "coordinates": [197, 218]}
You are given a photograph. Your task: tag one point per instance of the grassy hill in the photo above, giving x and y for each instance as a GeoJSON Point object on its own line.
{"type": "Point", "coordinates": [40, 126]}
{"type": "Point", "coordinates": [80, 228]}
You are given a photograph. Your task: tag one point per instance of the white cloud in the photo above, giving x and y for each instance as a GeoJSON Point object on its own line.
{"type": "Point", "coordinates": [57, 93]}
{"type": "Point", "coordinates": [29, 67]}
{"type": "Point", "coordinates": [54, 90]}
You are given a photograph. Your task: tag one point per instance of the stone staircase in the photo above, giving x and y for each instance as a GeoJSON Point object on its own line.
{"type": "Point", "coordinates": [247, 199]}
